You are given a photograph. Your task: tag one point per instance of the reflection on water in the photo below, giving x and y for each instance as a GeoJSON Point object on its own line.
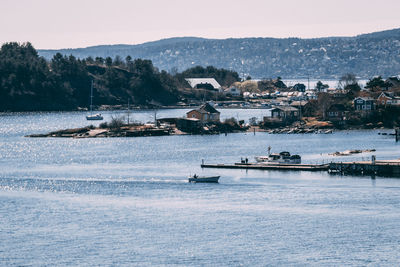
{"type": "Point", "coordinates": [126, 201]}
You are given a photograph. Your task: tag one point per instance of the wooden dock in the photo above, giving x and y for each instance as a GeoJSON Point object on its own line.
{"type": "Point", "coordinates": [257, 166]}
{"type": "Point", "coordinates": [389, 168]}
{"type": "Point", "coordinates": [384, 168]}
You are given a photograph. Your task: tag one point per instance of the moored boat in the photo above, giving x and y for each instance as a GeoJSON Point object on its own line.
{"type": "Point", "coordinates": [283, 157]}
{"type": "Point", "coordinates": [203, 179]}
{"type": "Point", "coordinates": [94, 117]}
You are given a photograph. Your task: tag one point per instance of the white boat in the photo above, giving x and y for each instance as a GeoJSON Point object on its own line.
{"type": "Point", "coordinates": [93, 117]}
{"type": "Point", "coordinates": [203, 179]}
{"type": "Point", "coordinates": [283, 157]}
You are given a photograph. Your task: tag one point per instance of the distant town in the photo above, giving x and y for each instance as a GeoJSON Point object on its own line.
{"type": "Point", "coordinates": [31, 83]}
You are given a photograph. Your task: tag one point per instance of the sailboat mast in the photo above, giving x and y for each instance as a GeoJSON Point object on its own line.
{"type": "Point", "coordinates": [91, 97]}
{"type": "Point", "coordinates": [128, 111]}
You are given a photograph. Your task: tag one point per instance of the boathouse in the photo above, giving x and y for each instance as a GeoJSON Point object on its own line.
{"type": "Point", "coordinates": [205, 113]}
{"type": "Point", "coordinates": [285, 113]}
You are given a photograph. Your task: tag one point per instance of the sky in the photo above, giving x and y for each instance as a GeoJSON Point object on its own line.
{"type": "Point", "coordinates": [54, 24]}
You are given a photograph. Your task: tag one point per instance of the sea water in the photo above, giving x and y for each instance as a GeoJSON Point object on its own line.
{"type": "Point", "coordinates": [127, 202]}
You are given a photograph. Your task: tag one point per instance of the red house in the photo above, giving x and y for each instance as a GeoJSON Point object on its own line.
{"type": "Point", "coordinates": [205, 113]}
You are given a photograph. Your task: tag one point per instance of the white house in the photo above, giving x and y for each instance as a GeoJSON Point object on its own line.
{"type": "Point", "coordinates": [204, 83]}
{"type": "Point", "coordinates": [233, 91]}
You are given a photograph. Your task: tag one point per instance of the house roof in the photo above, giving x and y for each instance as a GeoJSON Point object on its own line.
{"type": "Point", "coordinates": [337, 107]}
{"type": "Point", "coordinates": [195, 81]}
{"type": "Point", "coordinates": [286, 108]}
{"type": "Point", "coordinates": [206, 109]}
{"type": "Point", "coordinates": [299, 103]}
{"type": "Point", "coordinates": [394, 81]}
{"type": "Point", "coordinates": [385, 94]}
{"type": "Point", "coordinates": [364, 98]}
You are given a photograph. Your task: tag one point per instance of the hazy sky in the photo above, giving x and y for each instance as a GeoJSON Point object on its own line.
{"type": "Point", "coordinates": [81, 23]}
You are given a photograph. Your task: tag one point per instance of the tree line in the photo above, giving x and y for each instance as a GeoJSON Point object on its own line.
{"type": "Point", "coordinates": [30, 83]}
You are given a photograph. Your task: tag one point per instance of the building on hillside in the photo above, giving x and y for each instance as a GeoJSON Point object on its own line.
{"type": "Point", "coordinates": [204, 83]}
{"type": "Point", "coordinates": [233, 91]}
{"type": "Point", "coordinates": [299, 87]}
{"type": "Point", "coordinates": [299, 105]}
{"type": "Point", "coordinates": [393, 82]}
{"type": "Point", "coordinates": [311, 95]}
{"type": "Point", "coordinates": [337, 113]}
{"type": "Point", "coordinates": [205, 113]}
{"type": "Point", "coordinates": [337, 93]}
{"type": "Point", "coordinates": [388, 99]}
{"type": "Point", "coordinates": [364, 103]}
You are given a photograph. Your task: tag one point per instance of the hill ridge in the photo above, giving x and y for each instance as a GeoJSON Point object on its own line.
{"type": "Point", "coordinates": [365, 55]}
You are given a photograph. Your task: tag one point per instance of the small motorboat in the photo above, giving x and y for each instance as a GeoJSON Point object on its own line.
{"type": "Point", "coordinates": [203, 179]}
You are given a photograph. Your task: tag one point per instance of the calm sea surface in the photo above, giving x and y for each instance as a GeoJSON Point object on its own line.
{"type": "Point", "coordinates": [126, 201]}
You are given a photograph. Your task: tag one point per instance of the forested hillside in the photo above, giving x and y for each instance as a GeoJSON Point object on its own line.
{"type": "Point", "coordinates": [364, 55]}
{"type": "Point", "coordinates": [28, 82]}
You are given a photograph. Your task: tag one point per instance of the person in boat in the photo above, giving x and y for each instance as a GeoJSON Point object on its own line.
{"type": "Point", "coordinates": [195, 176]}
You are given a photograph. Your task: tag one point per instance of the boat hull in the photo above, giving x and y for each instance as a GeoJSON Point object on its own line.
{"type": "Point", "coordinates": [96, 117]}
{"type": "Point", "coordinates": [265, 159]}
{"type": "Point", "coordinates": [211, 179]}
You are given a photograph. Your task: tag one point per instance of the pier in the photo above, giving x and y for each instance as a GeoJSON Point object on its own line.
{"type": "Point", "coordinates": [284, 167]}
{"type": "Point", "coordinates": [383, 168]}
{"type": "Point", "coordinates": [390, 168]}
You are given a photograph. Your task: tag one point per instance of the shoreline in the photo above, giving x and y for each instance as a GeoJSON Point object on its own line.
{"type": "Point", "coordinates": [146, 130]}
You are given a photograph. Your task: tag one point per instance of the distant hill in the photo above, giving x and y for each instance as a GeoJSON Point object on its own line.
{"type": "Point", "coordinates": [365, 55]}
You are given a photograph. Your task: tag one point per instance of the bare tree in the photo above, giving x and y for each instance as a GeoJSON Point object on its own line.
{"type": "Point", "coordinates": [347, 80]}
{"type": "Point", "coordinates": [324, 101]}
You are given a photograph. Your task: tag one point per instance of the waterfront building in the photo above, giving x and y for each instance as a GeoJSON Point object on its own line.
{"type": "Point", "coordinates": [205, 113]}
{"type": "Point", "coordinates": [336, 113]}
{"type": "Point", "coordinates": [285, 114]}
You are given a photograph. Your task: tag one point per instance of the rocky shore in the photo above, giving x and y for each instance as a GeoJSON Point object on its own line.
{"type": "Point", "coordinates": [141, 130]}
{"type": "Point", "coordinates": [123, 131]}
